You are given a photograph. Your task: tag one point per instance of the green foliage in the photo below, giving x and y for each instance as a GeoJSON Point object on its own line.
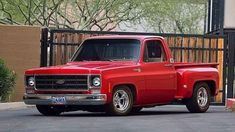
{"type": "Point", "coordinates": [7, 81]}
{"type": "Point", "coordinates": [233, 108]}
{"type": "Point", "coordinates": [77, 14]}
{"type": "Point", "coordinates": [164, 16]}
{"type": "Point", "coordinates": [28, 12]}
{"type": "Point", "coordinates": [175, 16]}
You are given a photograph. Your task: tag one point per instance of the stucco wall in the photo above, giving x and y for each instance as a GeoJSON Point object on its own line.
{"type": "Point", "coordinates": [20, 49]}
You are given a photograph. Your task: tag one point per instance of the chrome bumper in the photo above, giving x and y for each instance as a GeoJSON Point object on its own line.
{"type": "Point", "coordinates": [70, 99]}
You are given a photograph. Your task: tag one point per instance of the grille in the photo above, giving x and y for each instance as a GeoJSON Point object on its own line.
{"type": "Point", "coordinates": [64, 82]}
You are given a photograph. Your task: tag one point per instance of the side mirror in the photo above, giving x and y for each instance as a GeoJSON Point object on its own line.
{"type": "Point", "coordinates": [172, 60]}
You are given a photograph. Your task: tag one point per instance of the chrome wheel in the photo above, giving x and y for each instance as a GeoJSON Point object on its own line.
{"type": "Point", "coordinates": [121, 100]}
{"type": "Point", "coordinates": [202, 97]}
{"type": "Point", "coordinates": [200, 100]}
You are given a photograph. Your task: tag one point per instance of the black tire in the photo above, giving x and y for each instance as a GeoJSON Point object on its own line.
{"type": "Point", "coordinates": [136, 109]}
{"type": "Point", "coordinates": [47, 110]}
{"type": "Point", "coordinates": [120, 106]}
{"type": "Point", "coordinates": [197, 103]}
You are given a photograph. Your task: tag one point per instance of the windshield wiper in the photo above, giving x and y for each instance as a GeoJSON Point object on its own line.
{"type": "Point", "coordinates": [99, 60]}
{"type": "Point", "coordinates": [106, 60]}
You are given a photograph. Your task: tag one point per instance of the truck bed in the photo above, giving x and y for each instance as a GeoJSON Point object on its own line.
{"type": "Point", "coordinates": [188, 74]}
{"type": "Point", "coordinates": [178, 65]}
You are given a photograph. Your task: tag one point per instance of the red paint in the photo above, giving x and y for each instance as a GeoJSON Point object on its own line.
{"type": "Point", "coordinates": [230, 103]}
{"type": "Point", "coordinates": [155, 82]}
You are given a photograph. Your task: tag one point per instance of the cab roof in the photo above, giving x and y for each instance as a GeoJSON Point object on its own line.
{"type": "Point", "coordinates": [138, 37]}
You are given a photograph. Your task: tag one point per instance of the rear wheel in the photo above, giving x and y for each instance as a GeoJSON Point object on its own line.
{"type": "Point", "coordinates": [200, 100]}
{"type": "Point", "coordinates": [48, 110]}
{"type": "Point", "coordinates": [122, 101]}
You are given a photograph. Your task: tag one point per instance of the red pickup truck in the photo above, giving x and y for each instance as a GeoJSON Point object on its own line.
{"type": "Point", "coordinates": [119, 75]}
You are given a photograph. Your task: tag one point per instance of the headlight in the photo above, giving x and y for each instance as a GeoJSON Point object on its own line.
{"type": "Point", "coordinates": [31, 81]}
{"type": "Point", "coordinates": [96, 81]}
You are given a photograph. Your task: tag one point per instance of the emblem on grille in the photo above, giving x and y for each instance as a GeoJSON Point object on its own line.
{"type": "Point", "coordinates": [60, 81]}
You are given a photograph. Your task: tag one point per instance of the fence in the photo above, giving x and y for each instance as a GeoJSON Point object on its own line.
{"type": "Point", "coordinates": [184, 47]}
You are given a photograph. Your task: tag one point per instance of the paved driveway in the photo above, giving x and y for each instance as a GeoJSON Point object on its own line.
{"type": "Point", "coordinates": [157, 119]}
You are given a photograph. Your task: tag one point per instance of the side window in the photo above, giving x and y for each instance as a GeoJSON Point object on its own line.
{"type": "Point", "coordinates": [154, 52]}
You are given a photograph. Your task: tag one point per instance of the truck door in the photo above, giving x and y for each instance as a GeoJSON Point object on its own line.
{"type": "Point", "coordinates": [159, 73]}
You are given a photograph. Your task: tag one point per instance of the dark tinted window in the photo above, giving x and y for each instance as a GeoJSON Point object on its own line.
{"type": "Point", "coordinates": [154, 52]}
{"type": "Point", "coordinates": [108, 49]}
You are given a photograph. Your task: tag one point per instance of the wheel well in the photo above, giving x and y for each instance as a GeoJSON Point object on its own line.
{"type": "Point", "coordinates": [211, 85]}
{"type": "Point", "coordinates": [131, 87]}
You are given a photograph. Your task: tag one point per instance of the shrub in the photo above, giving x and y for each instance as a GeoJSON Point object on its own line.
{"type": "Point", "coordinates": [233, 108]}
{"type": "Point", "coordinates": [7, 81]}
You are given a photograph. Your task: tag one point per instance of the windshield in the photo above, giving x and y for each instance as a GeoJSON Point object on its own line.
{"type": "Point", "coordinates": [108, 50]}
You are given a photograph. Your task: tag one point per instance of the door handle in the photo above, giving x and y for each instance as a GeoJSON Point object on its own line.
{"type": "Point", "coordinates": [137, 70]}
{"type": "Point", "coordinates": [168, 65]}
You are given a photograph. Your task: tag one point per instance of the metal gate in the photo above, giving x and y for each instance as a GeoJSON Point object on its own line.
{"type": "Point", "coordinates": [58, 45]}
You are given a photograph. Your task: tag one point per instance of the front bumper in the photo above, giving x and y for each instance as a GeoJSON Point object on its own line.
{"type": "Point", "coordinates": [70, 99]}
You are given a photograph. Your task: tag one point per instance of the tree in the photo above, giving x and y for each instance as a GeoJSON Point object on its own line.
{"type": "Point", "coordinates": [164, 16]}
{"type": "Point", "coordinates": [78, 14]}
{"type": "Point", "coordinates": [174, 16]}
{"type": "Point", "coordinates": [28, 12]}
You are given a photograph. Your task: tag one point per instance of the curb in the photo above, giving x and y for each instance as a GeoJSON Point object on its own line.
{"type": "Point", "coordinates": [14, 105]}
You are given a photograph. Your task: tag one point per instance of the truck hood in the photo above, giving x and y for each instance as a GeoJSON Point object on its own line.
{"type": "Point", "coordinates": [88, 67]}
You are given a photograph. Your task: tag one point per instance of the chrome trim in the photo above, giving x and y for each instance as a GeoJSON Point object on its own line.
{"type": "Point", "coordinates": [202, 97]}
{"type": "Point", "coordinates": [172, 60]}
{"type": "Point", "coordinates": [26, 81]}
{"type": "Point", "coordinates": [121, 100]}
{"type": "Point", "coordinates": [78, 48]}
{"type": "Point", "coordinates": [137, 70]}
{"type": "Point", "coordinates": [90, 81]}
{"type": "Point", "coordinates": [56, 74]}
{"type": "Point", "coordinates": [87, 89]}
{"type": "Point", "coordinates": [71, 99]}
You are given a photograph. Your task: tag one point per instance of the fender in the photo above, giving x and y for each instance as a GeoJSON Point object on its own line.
{"type": "Point", "coordinates": [187, 78]}
{"type": "Point", "coordinates": [136, 87]}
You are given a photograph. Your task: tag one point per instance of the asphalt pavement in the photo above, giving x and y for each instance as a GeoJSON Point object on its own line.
{"type": "Point", "coordinates": [170, 118]}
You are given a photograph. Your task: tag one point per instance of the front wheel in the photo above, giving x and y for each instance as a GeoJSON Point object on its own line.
{"type": "Point", "coordinates": [200, 100]}
{"type": "Point", "coordinates": [122, 101]}
{"type": "Point", "coordinates": [48, 110]}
